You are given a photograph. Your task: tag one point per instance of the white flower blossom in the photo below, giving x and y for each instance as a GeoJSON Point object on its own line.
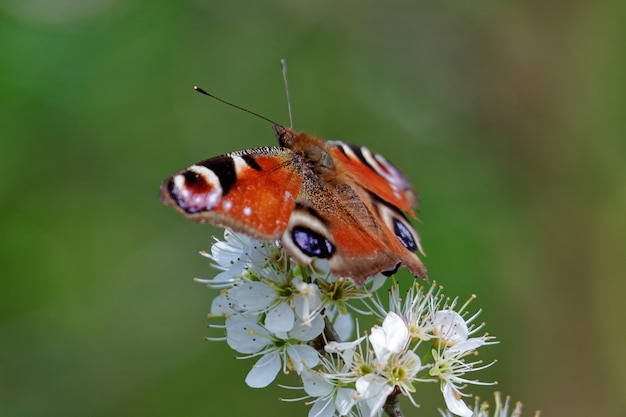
{"type": "Point", "coordinates": [302, 319]}
{"type": "Point", "coordinates": [330, 398]}
{"type": "Point", "coordinates": [245, 335]}
{"type": "Point", "coordinates": [391, 338]}
{"type": "Point", "coordinates": [395, 361]}
{"type": "Point", "coordinates": [418, 309]}
{"type": "Point", "coordinates": [450, 367]}
{"type": "Point", "coordinates": [372, 391]}
{"type": "Point", "coordinates": [234, 255]}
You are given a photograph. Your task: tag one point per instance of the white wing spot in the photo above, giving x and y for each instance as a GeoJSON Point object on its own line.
{"type": "Point", "coordinates": [385, 169]}
{"type": "Point", "coordinates": [240, 164]}
{"type": "Point", "coordinates": [349, 152]}
{"type": "Point", "coordinates": [247, 211]}
{"type": "Point", "coordinates": [227, 205]}
{"type": "Point", "coordinates": [179, 181]}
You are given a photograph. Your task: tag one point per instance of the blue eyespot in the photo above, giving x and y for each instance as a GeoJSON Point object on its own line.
{"type": "Point", "coordinates": [404, 235]}
{"type": "Point", "coordinates": [312, 243]}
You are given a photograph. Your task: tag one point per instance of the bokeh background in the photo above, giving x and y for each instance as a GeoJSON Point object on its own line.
{"type": "Point", "coordinates": [507, 115]}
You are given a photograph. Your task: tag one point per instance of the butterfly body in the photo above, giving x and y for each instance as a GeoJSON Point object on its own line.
{"type": "Point", "coordinates": [321, 199]}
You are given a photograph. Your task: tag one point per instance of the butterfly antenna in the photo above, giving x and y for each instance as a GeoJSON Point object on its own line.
{"type": "Point", "coordinates": [283, 67]}
{"type": "Point", "coordinates": [200, 90]}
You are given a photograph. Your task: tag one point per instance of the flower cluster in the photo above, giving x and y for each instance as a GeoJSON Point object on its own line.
{"type": "Point", "coordinates": [300, 319]}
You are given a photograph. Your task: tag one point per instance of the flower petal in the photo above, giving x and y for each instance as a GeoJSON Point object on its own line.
{"type": "Point", "coordinates": [307, 301]}
{"type": "Point", "coordinates": [280, 319]}
{"type": "Point", "coordinates": [252, 296]}
{"type": "Point", "coordinates": [390, 338]}
{"type": "Point", "coordinates": [344, 326]}
{"type": "Point", "coordinates": [467, 345]}
{"type": "Point", "coordinates": [302, 356]}
{"type": "Point", "coordinates": [373, 391]}
{"type": "Point", "coordinates": [322, 408]}
{"type": "Point", "coordinates": [454, 402]}
{"type": "Point", "coordinates": [345, 349]}
{"type": "Point", "coordinates": [450, 327]}
{"type": "Point", "coordinates": [221, 305]}
{"type": "Point", "coordinates": [244, 335]}
{"type": "Point", "coordinates": [309, 331]}
{"type": "Point", "coordinates": [315, 385]}
{"type": "Point", "coordinates": [264, 371]}
{"type": "Point", "coordinates": [345, 400]}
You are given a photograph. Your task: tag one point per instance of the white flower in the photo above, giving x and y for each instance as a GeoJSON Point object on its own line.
{"type": "Point", "coordinates": [345, 350]}
{"type": "Point", "coordinates": [373, 391]}
{"type": "Point", "coordinates": [387, 363]}
{"type": "Point", "coordinates": [452, 332]}
{"type": "Point", "coordinates": [417, 310]}
{"type": "Point", "coordinates": [232, 256]}
{"type": "Point", "coordinates": [453, 400]}
{"type": "Point", "coordinates": [257, 279]}
{"type": "Point", "coordinates": [450, 328]}
{"type": "Point", "coordinates": [245, 335]}
{"type": "Point", "coordinates": [404, 373]}
{"type": "Point", "coordinates": [449, 366]}
{"type": "Point", "coordinates": [428, 316]}
{"type": "Point", "coordinates": [336, 293]}
{"type": "Point", "coordinates": [307, 301]}
{"type": "Point", "coordinates": [395, 361]}
{"type": "Point", "coordinates": [391, 338]}
{"type": "Point", "coordinates": [331, 386]}
{"type": "Point", "coordinates": [251, 296]}
{"type": "Point", "coordinates": [453, 343]}
{"type": "Point", "coordinates": [276, 310]}
{"type": "Point", "coordinates": [330, 398]}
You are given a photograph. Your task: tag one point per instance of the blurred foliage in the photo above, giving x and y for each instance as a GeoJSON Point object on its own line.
{"type": "Point", "coordinates": [508, 116]}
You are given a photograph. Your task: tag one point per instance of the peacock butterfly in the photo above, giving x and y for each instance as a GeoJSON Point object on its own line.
{"type": "Point", "coordinates": [321, 199]}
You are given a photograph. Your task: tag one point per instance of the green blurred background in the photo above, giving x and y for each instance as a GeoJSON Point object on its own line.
{"type": "Point", "coordinates": [508, 116]}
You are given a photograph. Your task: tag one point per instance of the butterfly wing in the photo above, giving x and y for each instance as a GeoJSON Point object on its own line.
{"type": "Point", "coordinates": [325, 200]}
{"type": "Point", "coordinates": [252, 191]}
{"type": "Point", "coordinates": [356, 233]}
{"type": "Point", "coordinates": [374, 173]}
{"type": "Point", "coordinates": [350, 210]}
{"type": "Point", "coordinates": [387, 194]}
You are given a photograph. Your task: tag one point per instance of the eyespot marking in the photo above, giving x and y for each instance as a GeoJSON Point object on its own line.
{"type": "Point", "coordinates": [398, 224]}
{"type": "Point", "coordinates": [404, 235]}
{"type": "Point", "coordinates": [311, 243]}
{"type": "Point", "coordinates": [196, 189]}
{"type": "Point", "coordinates": [307, 236]}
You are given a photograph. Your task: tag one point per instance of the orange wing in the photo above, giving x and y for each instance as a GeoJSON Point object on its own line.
{"type": "Point", "coordinates": [252, 191]}
{"type": "Point", "coordinates": [373, 172]}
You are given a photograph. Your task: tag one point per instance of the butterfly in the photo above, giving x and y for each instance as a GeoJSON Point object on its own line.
{"type": "Point", "coordinates": [321, 199]}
